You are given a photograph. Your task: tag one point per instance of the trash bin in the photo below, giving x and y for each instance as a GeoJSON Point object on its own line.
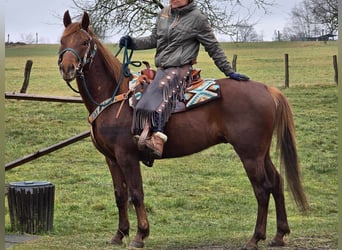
{"type": "Point", "coordinates": [31, 206]}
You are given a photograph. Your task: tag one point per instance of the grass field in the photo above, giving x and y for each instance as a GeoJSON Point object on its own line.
{"type": "Point", "coordinates": [198, 202]}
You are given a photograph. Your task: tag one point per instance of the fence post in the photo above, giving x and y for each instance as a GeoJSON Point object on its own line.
{"type": "Point", "coordinates": [335, 69]}
{"type": "Point", "coordinates": [287, 70]}
{"type": "Point", "coordinates": [26, 76]}
{"type": "Point", "coordinates": [234, 62]}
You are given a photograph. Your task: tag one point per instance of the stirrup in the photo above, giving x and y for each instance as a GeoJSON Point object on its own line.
{"type": "Point", "coordinates": [161, 136]}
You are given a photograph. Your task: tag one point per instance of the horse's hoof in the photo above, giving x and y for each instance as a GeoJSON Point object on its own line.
{"type": "Point", "coordinates": [115, 241]}
{"type": "Point", "coordinates": [276, 243]}
{"type": "Point", "coordinates": [136, 244]}
{"type": "Point", "coordinates": [250, 247]}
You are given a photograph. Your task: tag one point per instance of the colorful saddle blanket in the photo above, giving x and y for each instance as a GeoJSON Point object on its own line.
{"type": "Point", "coordinates": [200, 92]}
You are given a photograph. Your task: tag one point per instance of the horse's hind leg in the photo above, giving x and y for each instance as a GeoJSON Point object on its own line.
{"type": "Point", "coordinates": [278, 195]}
{"type": "Point", "coordinates": [121, 198]}
{"type": "Point", "coordinates": [255, 168]}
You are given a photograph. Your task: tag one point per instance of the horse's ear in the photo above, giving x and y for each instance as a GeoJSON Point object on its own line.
{"type": "Point", "coordinates": [85, 21]}
{"type": "Point", "coordinates": [66, 19]}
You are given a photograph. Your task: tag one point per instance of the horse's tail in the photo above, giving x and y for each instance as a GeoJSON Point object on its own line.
{"type": "Point", "coordinates": [286, 147]}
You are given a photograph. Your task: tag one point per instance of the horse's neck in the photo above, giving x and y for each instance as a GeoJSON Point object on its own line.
{"type": "Point", "coordinates": [100, 84]}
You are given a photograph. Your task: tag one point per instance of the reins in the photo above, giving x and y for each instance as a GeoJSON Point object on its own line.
{"type": "Point", "coordinates": [125, 72]}
{"type": "Point", "coordinates": [126, 61]}
{"type": "Point", "coordinates": [122, 97]}
{"type": "Point", "coordinates": [86, 60]}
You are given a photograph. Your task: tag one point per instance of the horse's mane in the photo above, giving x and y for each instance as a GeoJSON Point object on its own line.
{"type": "Point", "coordinates": [112, 64]}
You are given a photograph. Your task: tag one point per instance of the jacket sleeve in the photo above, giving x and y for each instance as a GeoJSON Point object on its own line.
{"type": "Point", "coordinates": [207, 38]}
{"type": "Point", "coordinates": [147, 42]}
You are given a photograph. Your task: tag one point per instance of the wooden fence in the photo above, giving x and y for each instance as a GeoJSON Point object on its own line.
{"type": "Point", "coordinates": [287, 70]}
{"type": "Point", "coordinates": [23, 96]}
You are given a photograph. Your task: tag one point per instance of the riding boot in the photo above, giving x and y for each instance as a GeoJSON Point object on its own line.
{"type": "Point", "coordinates": [156, 144]}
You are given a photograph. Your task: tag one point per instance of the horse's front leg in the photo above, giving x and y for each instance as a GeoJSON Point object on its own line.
{"type": "Point", "coordinates": [121, 198]}
{"type": "Point", "coordinates": [134, 183]}
{"type": "Point", "coordinates": [127, 179]}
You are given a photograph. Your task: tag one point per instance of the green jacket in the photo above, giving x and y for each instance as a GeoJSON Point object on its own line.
{"type": "Point", "coordinates": [177, 36]}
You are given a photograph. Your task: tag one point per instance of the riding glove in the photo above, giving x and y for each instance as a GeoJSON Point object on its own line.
{"type": "Point", "coordinates": [126, 41]}
{"type": "Point", "coordinates": [238, 76]}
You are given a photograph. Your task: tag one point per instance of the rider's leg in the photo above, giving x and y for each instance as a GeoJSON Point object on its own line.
{"type": "Point", "coordinates": [158, 138]}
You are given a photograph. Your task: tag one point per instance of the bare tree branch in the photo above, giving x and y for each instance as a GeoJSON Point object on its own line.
{"type": "Point", "coordinates": [313, 18]}
{"type": "Point", "coordinates": [138, 16]}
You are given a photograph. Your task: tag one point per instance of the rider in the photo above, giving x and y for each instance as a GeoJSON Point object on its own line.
{"type": "Point", "coordinates": [178, 32]}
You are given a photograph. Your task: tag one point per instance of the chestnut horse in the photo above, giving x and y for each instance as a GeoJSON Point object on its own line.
{"type": "Point", "coordinates": [246, 116]}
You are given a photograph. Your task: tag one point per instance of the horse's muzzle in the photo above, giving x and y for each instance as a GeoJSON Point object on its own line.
{"type": "Point", "coordinates": [68, 71]}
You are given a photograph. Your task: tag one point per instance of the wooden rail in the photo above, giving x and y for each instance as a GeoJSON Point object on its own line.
{"type": "Point", "coordinates": [21, 96]}
{"type": "Point", "coordinates": [45, 151]}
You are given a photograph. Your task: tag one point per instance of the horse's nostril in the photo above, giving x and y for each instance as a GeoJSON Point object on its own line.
{"type": "Point", "coordinates": [61, 68]}
{"type": "Point", "coordinates": [71, 68]}
{"type": "Point", "coordinates": [67, 69]}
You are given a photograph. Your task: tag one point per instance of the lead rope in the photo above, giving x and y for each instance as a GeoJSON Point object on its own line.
{"type": "Point", "coordinates": [126, 61]}
{"type": "Point", "coordinates": [122, 97]}
{"type": "Point", "coordinates": [125, 72]}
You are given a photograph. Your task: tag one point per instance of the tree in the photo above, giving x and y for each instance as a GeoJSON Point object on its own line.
{"type": "Point", "coordinates": [326, 13]}
{"type": "Point", "coordinates": [28, 38]}
{"type": "Point", "coordinates": [303, 21]}
{"type": "Point", "coordinates": [312, 19]}
{"type": "Point", "coordinates": [138, 16]}
{"type": "Point", "coordinates": [246, 33]}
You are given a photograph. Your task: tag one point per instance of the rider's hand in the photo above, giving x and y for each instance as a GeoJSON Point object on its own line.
{"type": "Point", "coordinates": [238, 76]}
{"type": "Point", "coordinates": [126, 41]}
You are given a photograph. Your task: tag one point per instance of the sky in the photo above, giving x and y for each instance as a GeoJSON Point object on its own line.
{"type": "Point", "coordinates": [41, 20]}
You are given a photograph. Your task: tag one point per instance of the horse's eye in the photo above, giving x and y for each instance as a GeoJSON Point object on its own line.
{"type": "Point", "coordinates": [86, 42]}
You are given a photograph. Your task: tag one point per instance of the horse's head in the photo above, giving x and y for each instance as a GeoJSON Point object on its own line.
{"type": "Point", "coordinates": [77, 47]}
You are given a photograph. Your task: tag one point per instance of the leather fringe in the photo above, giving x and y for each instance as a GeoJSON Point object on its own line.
{"type": "Point", "coordinates": [168, 89]}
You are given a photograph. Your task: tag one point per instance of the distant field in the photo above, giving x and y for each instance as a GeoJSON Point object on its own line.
{"type": "Point", "coordinates": [196, 202]}
{"type": "Point", "coordinates": [310, 64]}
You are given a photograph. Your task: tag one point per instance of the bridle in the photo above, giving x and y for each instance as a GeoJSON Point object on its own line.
{"type": "Point", "coordinates": [87, 59]}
